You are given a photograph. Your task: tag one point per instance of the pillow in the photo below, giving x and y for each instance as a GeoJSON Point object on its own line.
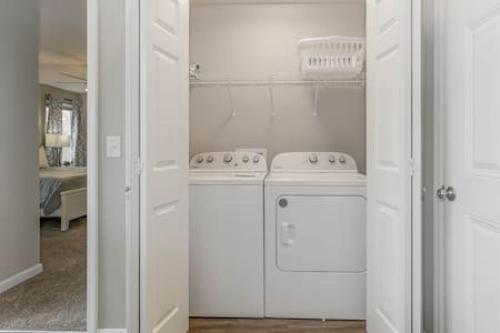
{"type": "Point", "coordinates": [42, 159]}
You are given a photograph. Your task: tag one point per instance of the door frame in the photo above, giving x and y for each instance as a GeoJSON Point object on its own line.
{"type": "Point", "coordinates": [92, 225]}
{"type": "Point", "coordinates": [439, 107]}
{"type": "Point", "coordinates": [416, 169]}
{"type": "Point", "coordinates": [92, 165]}
{"type": "Point", "coordinates": [134, 165]}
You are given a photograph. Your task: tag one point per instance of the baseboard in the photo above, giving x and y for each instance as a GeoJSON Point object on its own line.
{"type": "Point", "coordinates": [20, 277]}
{"type": "Point", "coordinates": [31, 331]}
{"type": "Point", "coordinates": [102, 330]}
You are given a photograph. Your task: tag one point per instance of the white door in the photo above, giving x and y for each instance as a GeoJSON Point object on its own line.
{"type": "Point", "coordinates": [164, 152]}
{"type": "Point", "coordinates": [472, 166]}
{"type": "Point", "coordinates": [389, 121]}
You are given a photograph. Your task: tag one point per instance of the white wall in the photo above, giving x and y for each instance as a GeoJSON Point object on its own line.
{"type": "Point", "coordinates": [112, 171]}
{"type": "Point", "coordinates": [19, 95]}
{"type": "Point", "coordinates": [255, 41]}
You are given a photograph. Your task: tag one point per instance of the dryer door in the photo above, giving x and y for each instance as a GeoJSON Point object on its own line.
{"type": "Point", "coordinates": [321, 233]}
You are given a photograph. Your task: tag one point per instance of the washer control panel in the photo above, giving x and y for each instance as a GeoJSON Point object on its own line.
{"type": "Point", "coordinates": [314, 162]}
{"type": "Point", "coordinates": [229, 161]}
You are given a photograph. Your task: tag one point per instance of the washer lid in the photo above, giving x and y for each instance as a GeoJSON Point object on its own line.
{"type": "Point", "coordinates": [314, 162]}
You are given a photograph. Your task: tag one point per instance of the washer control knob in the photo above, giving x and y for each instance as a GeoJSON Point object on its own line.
{"type": "Point", "coordinates": [200, 159]}
{"type": "Point", "coordinates": [256, 159]}
{"type": "Point", "coordinates": [342, 159]}
{"type": "Point", "coordinates": [246, 159]}
{"type": "Point", "coordinates": [313, 158]}
{"type": "Point", "coordinates": [210, 158]}
{"type": "Point", "coordinates": [331, 159]}
{"type": "Point", "coordinates": [228, 158]}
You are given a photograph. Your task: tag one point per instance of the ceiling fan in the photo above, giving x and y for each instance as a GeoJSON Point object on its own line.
{"type": "Point", "coordinates": [81, 80]}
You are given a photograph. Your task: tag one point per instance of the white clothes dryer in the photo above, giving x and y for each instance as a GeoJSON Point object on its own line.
{"type": "Point", "coordinates": [315, 237]}
{"type": "Point", "coordinates": [227, 234]}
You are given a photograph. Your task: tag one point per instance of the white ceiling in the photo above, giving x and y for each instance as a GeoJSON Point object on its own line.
{"type": "Point", "coordinates": [63, 49]}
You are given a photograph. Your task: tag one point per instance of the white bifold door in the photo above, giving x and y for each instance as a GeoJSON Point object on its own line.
{"type": "Point", "coordinates": [471, 193]}
{"type": "Point", "coordinates": [164, 38]}
{"type": "Point", "coordinates": [390, 96]}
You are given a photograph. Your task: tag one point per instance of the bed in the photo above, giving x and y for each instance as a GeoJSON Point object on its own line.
{"type": "Point", "coordinates": [63, 194]}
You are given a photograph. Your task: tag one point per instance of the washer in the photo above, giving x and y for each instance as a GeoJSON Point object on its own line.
{"type": "Point", "coordinates": [227, 234]}
{"type": "Point", "coordinates": [315, 237]}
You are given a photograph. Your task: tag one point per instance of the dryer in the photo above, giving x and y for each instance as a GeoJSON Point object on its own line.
{"type": "Point", "coordinates": [227, 234]}
{"type": "Point", "coordinates": [315, 237]}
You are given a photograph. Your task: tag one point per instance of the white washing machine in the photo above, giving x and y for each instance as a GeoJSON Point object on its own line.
{"type": "Point", "coordinates": [315, 237]}
{"type": "Point", "coordinates": [227, 234]}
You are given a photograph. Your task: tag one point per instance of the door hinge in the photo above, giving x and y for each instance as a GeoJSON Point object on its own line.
{"type": "Point", "coordinates": [411, 168]}
{"type": "Point", "coordinates": [139, 166]}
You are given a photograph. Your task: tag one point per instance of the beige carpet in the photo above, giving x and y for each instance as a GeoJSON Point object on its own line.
{"type": "Point", "coordinates": [55, 299]}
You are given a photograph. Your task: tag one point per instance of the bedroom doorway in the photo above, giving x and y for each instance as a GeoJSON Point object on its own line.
{"type": "Point", "coordinates": [48, 266]}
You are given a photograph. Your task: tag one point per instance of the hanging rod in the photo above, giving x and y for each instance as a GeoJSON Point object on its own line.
{"type": "Point", "coordinates": [273, 2]}
{"type": "Point", "coordinates": [277, 82]}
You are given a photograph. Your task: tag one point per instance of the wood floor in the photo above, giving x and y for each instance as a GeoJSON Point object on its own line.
{"type": "Point", "coordinates": [274, 326]}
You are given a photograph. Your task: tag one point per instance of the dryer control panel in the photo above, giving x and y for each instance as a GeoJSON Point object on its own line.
{"type": "Point", "coordinates": [229, 161]}
{"type": "Point", "coordinates": [314, 162]}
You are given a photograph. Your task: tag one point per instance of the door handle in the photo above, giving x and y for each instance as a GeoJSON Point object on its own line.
{"type": "Point", "coordinates": [285, 233]}
{"type": "Point", "coordinates": [447, 193]}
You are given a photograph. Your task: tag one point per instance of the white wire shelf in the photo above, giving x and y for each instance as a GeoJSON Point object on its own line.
{"type": "Point", "coordinates": [294, 79]}
{"type": "Point", "coordinates": [272, 83]}
{"type": "Point", "coordinates": [228, 82]}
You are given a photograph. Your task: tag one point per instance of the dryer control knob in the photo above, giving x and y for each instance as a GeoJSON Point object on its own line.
{"type": "Point", "coordinates": [199, 159]}
{"type": "Point", "coordinates": [256, 159]}
{"type": "Point", "coordinates": [342, 159]}
{"type": "Point", "coordinates": [331, 159]}
{"type": "Point", "coordinates": [228, 158]}
{"type": "Point", "coordinates": [210, 158]}
{"type": "Point", "coordinates": [313, 158]}
{"type": "Point", "coordinates": [246, 159]}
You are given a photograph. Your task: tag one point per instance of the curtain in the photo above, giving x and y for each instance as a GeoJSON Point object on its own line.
{"type": "Point", "coordinates": [54, 125]}
{"type": "Point", "coordinates": [79, 135]}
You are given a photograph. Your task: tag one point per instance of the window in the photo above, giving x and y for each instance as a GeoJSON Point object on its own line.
{"type": "Point", "coordinates": [67, 154]}
{"type": "Point", "coordinates": [61, 123]}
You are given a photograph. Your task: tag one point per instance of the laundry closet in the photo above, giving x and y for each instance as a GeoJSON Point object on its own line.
{"type": "Point", "coordinates": [281, 147]}
{"type": "Point", "coordinates": [278, 87]}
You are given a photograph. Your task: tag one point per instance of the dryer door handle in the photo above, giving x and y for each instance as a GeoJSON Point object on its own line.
{"type": "Point", "coordinates": [286, 230]}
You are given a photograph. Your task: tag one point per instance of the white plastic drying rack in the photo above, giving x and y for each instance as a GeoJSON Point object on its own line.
{"type": "Point", "coordinates": [332, 57]}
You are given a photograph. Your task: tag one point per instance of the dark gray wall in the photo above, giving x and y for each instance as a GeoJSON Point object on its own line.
{"type": "Point", "coordinates": [19, 213]}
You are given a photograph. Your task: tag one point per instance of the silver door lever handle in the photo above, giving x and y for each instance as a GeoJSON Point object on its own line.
{"type": "Point", "coordinates": [448, 193]}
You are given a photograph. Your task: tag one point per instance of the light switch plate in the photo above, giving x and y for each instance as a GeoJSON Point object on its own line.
{"type": "Point", "coordinates": [113, 147]}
